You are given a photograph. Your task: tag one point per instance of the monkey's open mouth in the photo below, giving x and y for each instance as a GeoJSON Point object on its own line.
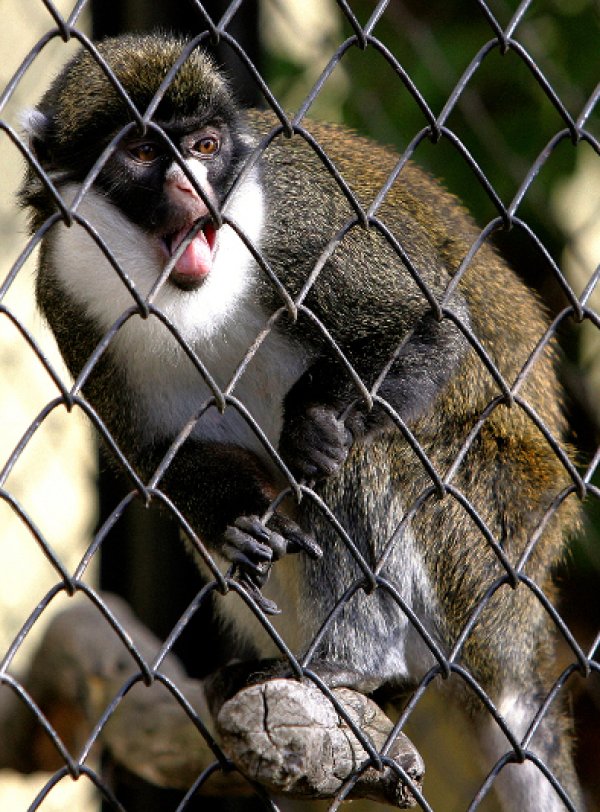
{"type": "Point", "coordinates": [196, 260]}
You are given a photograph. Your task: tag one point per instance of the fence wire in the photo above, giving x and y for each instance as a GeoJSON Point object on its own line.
{"type": "Point", "coordinates": [362, 36]}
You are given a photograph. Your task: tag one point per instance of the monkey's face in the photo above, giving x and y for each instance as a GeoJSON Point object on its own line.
{"type": "Point", "coordinates": [164, 180]}
{"type": "Point", "coordinates": [151, 196]}
{"type": "Point", "coordinates": [171, 200]}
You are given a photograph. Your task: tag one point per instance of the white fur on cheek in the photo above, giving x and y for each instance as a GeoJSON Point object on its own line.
{"type": "Point", "coordinates": [84, 271]}
{"type": "Point", "coordinates": [219, 320]}
{"type": "Point", "coordinates": [87, 275]}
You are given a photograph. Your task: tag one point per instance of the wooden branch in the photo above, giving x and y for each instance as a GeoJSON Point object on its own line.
{"type": "Point", "coordinates": [78, 669]}
{"type": "Point", "coordinates": [288, 736]}
{"type": "Point", "coordinates": [283, 734]}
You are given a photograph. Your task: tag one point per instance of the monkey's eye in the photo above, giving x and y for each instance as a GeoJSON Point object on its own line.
{"type": "Point", "coordinates": [207, 146]}
{"type": "Point", "coordinates": [145, 153]}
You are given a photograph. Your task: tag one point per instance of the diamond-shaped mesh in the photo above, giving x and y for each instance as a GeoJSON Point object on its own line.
{"type": "Point", "coordinates": [574, 127]}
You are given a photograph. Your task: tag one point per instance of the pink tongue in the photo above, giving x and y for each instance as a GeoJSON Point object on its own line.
{"type": "Point", "coordinates": [196, 260]}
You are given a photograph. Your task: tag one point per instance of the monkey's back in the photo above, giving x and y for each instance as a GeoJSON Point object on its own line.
{"type": "Point", "coordinates": [436, 233]}
{"type": "Point", "coordinates": [509, 477]}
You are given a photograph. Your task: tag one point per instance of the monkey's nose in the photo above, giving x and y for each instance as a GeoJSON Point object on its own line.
{"type": "Point", "coordinates": [183, 185]}
{"type": "Point", "coordinates": [180, 186]}
{"type": "Point", "coordinates": [181, 193]}
{"type": "Point", "coordinates": [178, 182]}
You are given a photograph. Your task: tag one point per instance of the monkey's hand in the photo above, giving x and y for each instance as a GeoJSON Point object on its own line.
{"type": "Point", "coordinates": [252, 546]}
{"type": "Point", "coordinates": [314, 442]}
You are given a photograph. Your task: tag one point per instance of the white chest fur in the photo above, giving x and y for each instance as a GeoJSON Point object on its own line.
{"type": "Point", "coordinates": [219, 322]}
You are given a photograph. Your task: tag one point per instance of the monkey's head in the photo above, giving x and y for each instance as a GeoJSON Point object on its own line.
{"type": "Point", "coordinates": [158, 181]}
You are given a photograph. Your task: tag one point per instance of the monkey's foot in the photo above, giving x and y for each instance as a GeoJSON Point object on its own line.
{"type": "Point", "coordinates": [288, 736]}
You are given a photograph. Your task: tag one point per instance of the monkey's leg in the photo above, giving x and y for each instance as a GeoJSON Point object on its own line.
{"type": "Point", "coordinates": [518, 671]}
{"type": "Point", "coordinates": [523, 787]}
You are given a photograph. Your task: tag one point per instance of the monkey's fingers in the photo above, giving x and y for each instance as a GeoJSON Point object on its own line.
{"type": "Point", "coordinates": [245, 550]}
{"type": "Point", "coordinates": [267, 541]}
{"type": "Point", "coordinates": [269, 607]}
{"type": "Point", "coordinates": [295, 538]}
{"type": "Point", "coordinates": [252, 546]}
{"type": "Point", "coordinates": [254, 527]}
{"type": "Point", "coordinates": [315, 443]}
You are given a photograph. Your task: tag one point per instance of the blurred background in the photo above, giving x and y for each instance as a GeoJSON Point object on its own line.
{"type": "Point", "coordinates": [505, 119]}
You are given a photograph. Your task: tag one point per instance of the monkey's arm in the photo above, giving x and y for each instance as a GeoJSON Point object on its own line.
{"type": "Point", "coordinates": [225, 506]}
{"type": "Point", "coordinates": [325, 412]}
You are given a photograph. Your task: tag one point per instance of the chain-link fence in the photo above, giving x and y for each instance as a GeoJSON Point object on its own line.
{"type": "Point", "coordinates": [429, 379]}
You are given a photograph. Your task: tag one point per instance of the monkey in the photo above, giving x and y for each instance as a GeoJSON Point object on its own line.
{"type": "Point", "coordinates": [388, 384]}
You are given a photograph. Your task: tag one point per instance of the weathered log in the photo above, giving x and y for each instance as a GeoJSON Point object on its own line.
{"type": "Point", "coordinates": [288, 736]}
{"type": "Point", "coordinates": [283, 734]}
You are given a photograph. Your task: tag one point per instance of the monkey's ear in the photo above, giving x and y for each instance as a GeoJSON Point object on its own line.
{"type": "Point", "coordinates": [36, 128]}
